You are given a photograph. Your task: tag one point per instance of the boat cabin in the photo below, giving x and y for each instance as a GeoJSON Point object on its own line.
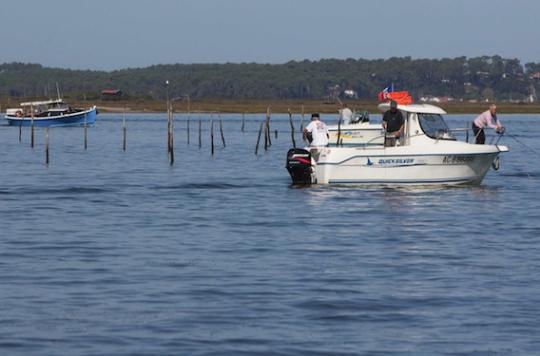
{"type": "Point", "coordinates": [423, 122]}
{"type": "Point", "coordinates": [46, 108]}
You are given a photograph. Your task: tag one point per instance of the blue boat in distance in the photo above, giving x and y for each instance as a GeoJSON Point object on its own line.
{"type": "Point", "coordinates": [55, 112]}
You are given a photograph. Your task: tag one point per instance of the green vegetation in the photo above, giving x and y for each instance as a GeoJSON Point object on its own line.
{"type": "Point", "coordinates": [492, 78]}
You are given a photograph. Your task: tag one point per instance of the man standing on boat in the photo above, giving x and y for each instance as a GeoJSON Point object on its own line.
{"type": "Point", "coordinates": [484, 120]}
{"type": "Point", "coordinates": [317, 132]}
{"type": "Point", "coordinates": [393, 123]}
{"type": "Point", "coordinates": [346, 115]}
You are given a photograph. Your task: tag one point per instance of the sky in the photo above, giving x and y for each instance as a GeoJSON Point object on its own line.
{"type": "Point", "coordinates": [116, 34]}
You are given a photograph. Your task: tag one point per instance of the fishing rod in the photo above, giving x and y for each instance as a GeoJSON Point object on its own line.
{"type": "Point", "coordinates": [525, 145]}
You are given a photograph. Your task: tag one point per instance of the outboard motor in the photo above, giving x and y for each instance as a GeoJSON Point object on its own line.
{"type": "Point", "coordinates": [299, 165]}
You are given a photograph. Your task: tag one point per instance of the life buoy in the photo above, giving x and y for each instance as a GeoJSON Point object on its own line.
{"type": "Point", "coordinates": [19, 113]}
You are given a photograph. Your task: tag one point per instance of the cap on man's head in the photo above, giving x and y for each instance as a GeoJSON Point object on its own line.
{"type": "Point", "coordinates": [393, 104]}
{"type": "Point", "coordinates": [314, 116]}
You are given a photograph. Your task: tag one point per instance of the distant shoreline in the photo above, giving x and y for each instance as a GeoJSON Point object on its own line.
{"type": "Point", "coordinates": [276, 106]}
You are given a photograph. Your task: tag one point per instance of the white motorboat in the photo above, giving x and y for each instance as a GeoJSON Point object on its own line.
{"type": "Point", "coordinates": [427, 153]}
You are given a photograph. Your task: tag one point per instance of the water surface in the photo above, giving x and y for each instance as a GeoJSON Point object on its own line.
{"type": "Point", "coordinates": [112, 252]}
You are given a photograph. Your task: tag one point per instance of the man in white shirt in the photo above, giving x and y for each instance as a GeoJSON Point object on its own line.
{"type": "Point", "coordinates": [317, 132]}
{"type": "Point", "coordinates": [346, 115]}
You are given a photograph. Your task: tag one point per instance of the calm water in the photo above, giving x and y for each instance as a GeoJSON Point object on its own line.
{"type": "Point", "coordinates": [112, 252]}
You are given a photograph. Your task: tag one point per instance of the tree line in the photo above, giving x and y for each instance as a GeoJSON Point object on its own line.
{"type": "Point", "coordinates": [486, 77]}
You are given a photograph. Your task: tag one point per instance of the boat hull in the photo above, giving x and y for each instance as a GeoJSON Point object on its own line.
{"type": "Point", "coordinates": [391, 167]}
{"type": "Point", "coordinates": [74, 119]}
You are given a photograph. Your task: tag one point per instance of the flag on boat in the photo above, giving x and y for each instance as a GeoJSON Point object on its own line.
{"type": "Point", "coordinates": [401, 97]}
{"type": "Point", "coordinates": [383, 95]}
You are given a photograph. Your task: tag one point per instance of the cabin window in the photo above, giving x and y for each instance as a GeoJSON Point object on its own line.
{"type": "Point", "coordinates": [435, 127]}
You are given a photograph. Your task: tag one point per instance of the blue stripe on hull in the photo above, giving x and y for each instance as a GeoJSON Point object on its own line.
{"type": "Point", "coordinates": [405, 181]}
{"type": "Point", "coordinates": [348, 144]}
{"type": "Point", "coordinates": [65, 120]}
{"type": "Point", "coordinates": [390, 155]}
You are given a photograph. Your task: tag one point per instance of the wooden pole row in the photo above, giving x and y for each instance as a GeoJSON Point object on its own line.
{"type": "Point", "coordinates": [265, 125]}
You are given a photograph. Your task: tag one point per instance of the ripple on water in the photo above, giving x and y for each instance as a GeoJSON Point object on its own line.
{"type": "Point", "coordinates": [112, 252]}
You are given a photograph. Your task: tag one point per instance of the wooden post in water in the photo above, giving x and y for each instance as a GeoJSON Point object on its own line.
{"type": "Point", "coordinates": [20, 130]}
{"type": "Point", "coordinates": [200, 138]}
{"type": "Point", "coordinates": [268, 126]}
{"type": "Point", "coordinates": [339, 132]}
{"type": "Point", "coordinates": [168, 130]}
{"type": "Point", "coordinates": [32, 129]}
{"type": "Point", "coordinates": [212, 133]}
{"type": "Point", "coordinates": [188, 118]}
{"type": "Point", "coordinates": [292, 128]}
{"type": "Point", "coordinates": [221, 130]}
{"type": "Point", "coordinates": [275, 134]}
{"type": "Point", "coordinates": [168, 120]}
{"type": "Point", "coordinates": [85, 133]}
{"type": "Point", "coordinates": [243, 121]}
{"type": "Point", "coordinates": [259, 138]}
{"type": "Point", "coordinates": [171, 138]}
{"type": "Point", "coordinates": [188, 121]}
{"type": "Point", "coordinates": [302, 125]}
{"type": "Point", "coordinates": [47, 146]}
{"type": "Point", "coordinates": [124, 131]}
{"type": "Point", "coordinates": [265, 135]}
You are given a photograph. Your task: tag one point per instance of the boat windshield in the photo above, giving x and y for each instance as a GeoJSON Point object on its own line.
{"type": "Point", "coordinates": [435, 127]}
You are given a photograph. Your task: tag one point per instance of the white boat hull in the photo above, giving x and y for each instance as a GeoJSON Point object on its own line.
{"type": "Point", "coordinates": [430, 170]}
{"type": "Point", "coordinates": [400, 165]}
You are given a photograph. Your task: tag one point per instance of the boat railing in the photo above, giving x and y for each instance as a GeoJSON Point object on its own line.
{"type": "Point", "coordinates": [375, 138]}
{"type": "Point", "coordinates": [493, 138]}
{"type": "Point", "coordinates": [462, 130]}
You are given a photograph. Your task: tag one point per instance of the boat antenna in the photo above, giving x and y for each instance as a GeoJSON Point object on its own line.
{"type": "Point", "coordinates": [57, 91]}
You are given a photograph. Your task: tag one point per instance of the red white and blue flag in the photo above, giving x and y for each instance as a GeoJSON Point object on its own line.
{"type": "Point", "coordinates": [401, 97]}
{"type": "Point", "coordinates": [383, 95]}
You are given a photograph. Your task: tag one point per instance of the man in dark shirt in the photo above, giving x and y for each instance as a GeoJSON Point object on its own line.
{"type": "Point", "coordinates": [393, 124]}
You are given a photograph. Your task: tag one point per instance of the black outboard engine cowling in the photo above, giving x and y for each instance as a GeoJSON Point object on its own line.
{"type": "Point", "coordinates": [299, 165]}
